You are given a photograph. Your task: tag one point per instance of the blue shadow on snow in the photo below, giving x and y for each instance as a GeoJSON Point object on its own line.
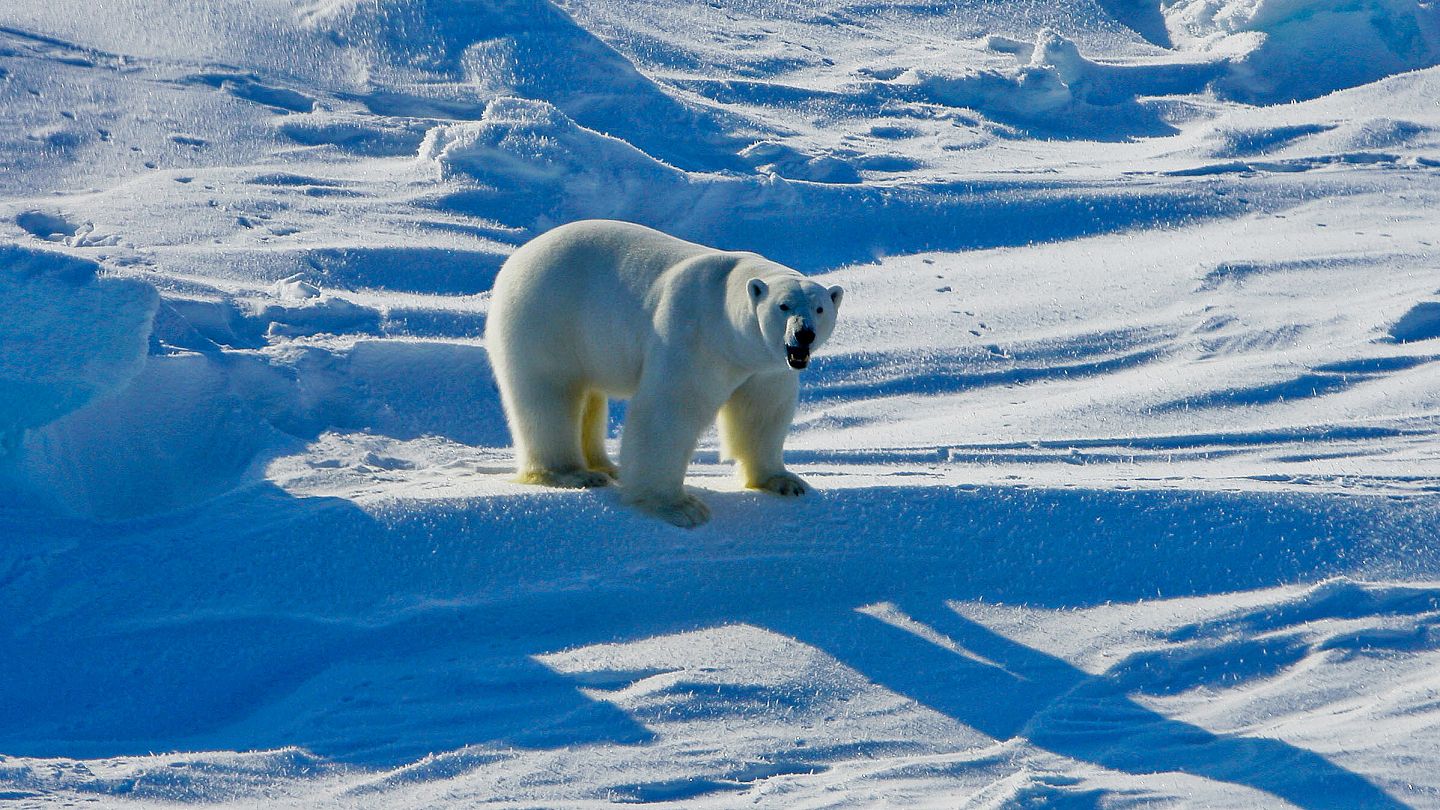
{"type": "Point", "coordinates": [262, 620]}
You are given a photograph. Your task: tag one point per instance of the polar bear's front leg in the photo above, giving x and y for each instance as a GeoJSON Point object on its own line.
{"type": "Point", "coordinates": [662, 427]}
{"type": "Point", "coordinates": [753, 426]}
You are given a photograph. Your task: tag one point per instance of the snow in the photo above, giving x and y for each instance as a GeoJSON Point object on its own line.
{"type": "Point", "coordinates": [71, 336]}
{"type": "Point", "coordinates": [1125, 446]}
{"type": "Point", "coordinates": [1288, 49]}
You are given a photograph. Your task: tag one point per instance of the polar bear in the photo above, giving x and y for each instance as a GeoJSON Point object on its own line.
{"type": "Point", "coordinates": [601, 309]}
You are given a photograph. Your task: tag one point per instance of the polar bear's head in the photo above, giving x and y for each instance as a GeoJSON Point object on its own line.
{"type": "Point", "coordinates": [795, 314]}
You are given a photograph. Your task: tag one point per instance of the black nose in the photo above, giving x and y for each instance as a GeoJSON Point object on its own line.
{"type": "Point", "coordinates": [805, 336]}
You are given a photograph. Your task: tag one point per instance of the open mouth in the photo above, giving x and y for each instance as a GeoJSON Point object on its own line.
{"type": "Point", "coordinates": [797, 356]}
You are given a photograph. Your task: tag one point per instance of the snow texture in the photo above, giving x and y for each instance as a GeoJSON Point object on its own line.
{"type": "Point", "coordinates": [1125, 447]}
{"type": "Point", "coordinates": [1288, 49]}
{"type": "Point", "coordinates": [70, 335]}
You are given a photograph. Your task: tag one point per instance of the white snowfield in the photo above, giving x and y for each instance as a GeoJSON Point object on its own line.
{"type": "Point", "coordinates": [1125, 446]}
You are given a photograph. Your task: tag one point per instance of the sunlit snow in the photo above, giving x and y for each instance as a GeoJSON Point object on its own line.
{"type": "Point", "coordinates": [1125, 448]}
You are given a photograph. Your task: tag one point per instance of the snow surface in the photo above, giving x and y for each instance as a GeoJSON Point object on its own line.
{"type": "Point", "coordinates": [1126, 444]}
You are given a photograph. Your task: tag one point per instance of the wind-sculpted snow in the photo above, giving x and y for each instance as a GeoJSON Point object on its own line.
{"type": "Point", "coordinates": [435, 58]}
{"type": "Point", "coordinates": [1282, 50]}
{"type": "Point", "coordinates": [540, 168]}
{"type": "Point", "coordinates": [1124, 448]}
{"type": "Point", "coordinates": [1055, 89]}
{"type": "Point", "coordinates": [69, 336]}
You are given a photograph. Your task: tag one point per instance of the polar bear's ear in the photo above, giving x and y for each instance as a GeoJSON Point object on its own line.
{"type": "Point", "coordinates": [836, 293]}
{"type": "Point", "coordinates": [757, 289]}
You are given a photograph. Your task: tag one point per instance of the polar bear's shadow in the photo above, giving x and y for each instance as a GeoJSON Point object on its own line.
{"type": "Point", "coordinates": [731, 505]}
{"type": "Point", "coordinates": [807, 568]}
{"type": "Point", "coordinates": [711, 478]}
{"type": "Point", "coordinates": [380, 635]}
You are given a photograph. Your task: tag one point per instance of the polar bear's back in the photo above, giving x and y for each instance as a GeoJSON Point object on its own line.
{"type": "Point", "coordinates": [576, 300]}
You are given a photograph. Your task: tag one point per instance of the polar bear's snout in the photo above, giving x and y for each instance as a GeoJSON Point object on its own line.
{"type": "Point", "coordinates": [799, 337]}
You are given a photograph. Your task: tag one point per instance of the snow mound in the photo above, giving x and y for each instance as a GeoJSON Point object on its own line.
{"type": "Point", "coordinates": [435, 58]}
{"type": "Point", "coordinates": [1055, 88]}
{"type": "Point", "coordinates": [67, 335]}
{"type": "Point", "coordinates": [215, 418]}
{"type": "Point", "coordinates": [525, 140]}
{"type": "Point", "coordinates": [1284, 50]}
{"type": "Point", "coordinates": [1255, 51]}
{"type": "Point", "coordinates": [542, 168]}
{"type": "Point", "coordinates": [102, 376]}
{"type": "Point", "coordinates": [301, 309]}
{"type": "Point", "coordinates": [190, 410]}
{"type": "Point", "coordinates": [1393, 121]}
{"type": "Point", "coordinates": [545, 165]}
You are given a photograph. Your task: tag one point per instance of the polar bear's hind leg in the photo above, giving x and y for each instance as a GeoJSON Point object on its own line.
{"type": "Point", "coordinates": [594, 424]}
{"type": "Point", "coordinates": [545, 419]}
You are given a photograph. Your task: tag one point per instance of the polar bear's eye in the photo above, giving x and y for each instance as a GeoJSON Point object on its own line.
{"type": "Point", "coordinates": [819, 310]}
{"type": "Point", "coordinates": [784, 307]}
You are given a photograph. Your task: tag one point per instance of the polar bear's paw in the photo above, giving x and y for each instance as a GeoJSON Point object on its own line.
{"type": "Point", "coordinates": [567, 479]}
{"type": "Point", "coordinates": [785, 483]}
{"type": "Point", "coordinates": [686, 511]}
{"type": "Point", "coordinates": [605, 467]}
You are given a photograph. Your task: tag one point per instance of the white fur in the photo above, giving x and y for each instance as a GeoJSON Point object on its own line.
{"type": "Point", "coordinates": [602, 309]}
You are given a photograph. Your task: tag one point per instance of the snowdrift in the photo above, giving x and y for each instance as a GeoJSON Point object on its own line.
{"type": "Point", "coordinates": [437, 59]}
{"type": "Point", "coordinates": [111, 379]}
{"type": "Point", "coordinates": [70, 336]}
{"type": "Point", "coordinates": [1281, 50]}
